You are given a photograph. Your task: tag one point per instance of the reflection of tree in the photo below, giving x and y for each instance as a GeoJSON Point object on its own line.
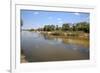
{"type": "Point", "coordinates": [47, 37]}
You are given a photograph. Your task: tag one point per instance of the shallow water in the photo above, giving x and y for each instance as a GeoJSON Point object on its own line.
{"type": "Point", "coordinates": [41, 48]}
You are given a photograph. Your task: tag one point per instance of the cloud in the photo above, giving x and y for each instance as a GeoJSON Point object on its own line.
{"type": "Point", "coordinates": [36, 12]}
{"type": "Point", "coordinates": [60, 22]}
{"type": "Point", "coordinates": [76, 13]}
{"type": "Point", "coordinates": [59, 19]}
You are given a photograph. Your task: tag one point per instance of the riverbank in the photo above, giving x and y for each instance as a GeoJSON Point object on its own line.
{"type": "Point", "coordinates": [23, 59]}
{"type": "Point", "coordinates": [80, 38]}
{"type": "Point", "coordinates": [80, 35]}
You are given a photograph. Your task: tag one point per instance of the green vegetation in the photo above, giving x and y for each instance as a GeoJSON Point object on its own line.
{"type": "Point", "coordinates": [49, 28]}
{"type": "Point", "coordinates": [67, 29]}
{"type": "Point", "coordinates": [31, 29]}
{"type": "Point", "coordinates": [57, 33]}
{"type": "Point", "coordinates": [82, 26]}
{"type": "Point", "coordinates": [70, 30]}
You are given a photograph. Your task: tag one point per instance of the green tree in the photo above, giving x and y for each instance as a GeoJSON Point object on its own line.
{"type": "Point", "coordinates": [46, 28]}
{"type": "Point", "coordinates": [52, 27]}
{"type": "Point", "coordinates": [65, 26]}
{"type": "Point", "coordinates": [82, 26]}
{"type": "Point", "coordinates": [49, 28]}
{"type": "Point", "coordinates": [57, 28]}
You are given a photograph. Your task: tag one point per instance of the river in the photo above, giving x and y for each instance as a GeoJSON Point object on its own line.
{"type": "Point", "coordinates": [42, 48]}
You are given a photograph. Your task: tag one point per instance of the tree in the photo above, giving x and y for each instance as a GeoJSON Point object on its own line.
{"type": "Point", "coordinates": [65, 26]}
{"type": "Point", "coordinates": [52, 27]}
{"type": "Point", "coordinates": [46, 28]}
{"type": "Point", "coordinates": [40, 29]}
{"type": "Point", "coordinates": [57, 28]}
{"type": "Point", "coordinates": [82, 26]}
{"type": "Point", "coordinates": [49, 27]}
{"type": "Point", "coordinates": [74, 28]}
{"type": "Point", "coordinates": [31, 29]}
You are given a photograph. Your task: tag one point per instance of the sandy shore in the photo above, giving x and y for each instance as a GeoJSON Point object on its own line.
{"type": "Point", "coordinates": [23, 60]}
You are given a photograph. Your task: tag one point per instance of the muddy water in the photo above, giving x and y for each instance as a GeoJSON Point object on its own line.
{"type": "Point", "coordinates": [41, 48]}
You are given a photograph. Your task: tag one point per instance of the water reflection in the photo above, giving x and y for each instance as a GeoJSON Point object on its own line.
{"type": "Point", "coordinates": [41, 47]}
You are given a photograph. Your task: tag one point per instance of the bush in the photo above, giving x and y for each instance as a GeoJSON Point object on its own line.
{"type": "Point", "coordinates": [57, 33]}
{"type": "Point", "coordinates": [72, 34]}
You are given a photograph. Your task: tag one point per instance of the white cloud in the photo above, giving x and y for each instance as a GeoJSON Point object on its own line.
{"type": "Point", "coordinates": [36, 12]}
{"type": "Point", "coordinates": [76, 13]}
{"type": "Point", "coordinates": [60, 22]}
{"type": "Point", "coordinates": [59, 19]}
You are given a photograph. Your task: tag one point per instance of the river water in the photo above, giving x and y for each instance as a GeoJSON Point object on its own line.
{"type": "Point", "coordinates": [42, 48]}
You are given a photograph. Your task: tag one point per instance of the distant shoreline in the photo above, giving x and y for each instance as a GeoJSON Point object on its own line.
{"type": "Point", "coordinates": [64, 34]}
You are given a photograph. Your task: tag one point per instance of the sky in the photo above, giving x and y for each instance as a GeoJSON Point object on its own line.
{"type": "Point", "coordinates": [37, 18]}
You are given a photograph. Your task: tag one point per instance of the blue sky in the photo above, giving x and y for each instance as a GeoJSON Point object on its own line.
{"type": "Point", "coordinates": [36, 18]}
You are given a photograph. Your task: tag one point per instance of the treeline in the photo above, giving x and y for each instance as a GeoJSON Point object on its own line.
{"type": "Point", "coordinates": [82, 26]}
